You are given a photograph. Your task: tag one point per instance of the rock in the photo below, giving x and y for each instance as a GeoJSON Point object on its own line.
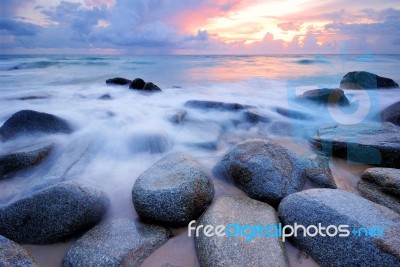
{"type": "Point", "coordinates": [151, 87]}
{"type": "Point", "coordinates": [373, 144]}
{"type": "Point", "coordinates": [293, 114]}
{"type": "Point", "coordinates": [13, 255]}
{"type": "Point", "coordinates": [264, 170]}
{"type": "Point", "coordinates": [24, 158]}
{"type": "Point", "coordinates": [53, 214]}
{"type": "Point", "coordinates": [387, 179]}
{"type": "Point", "coordinates": [105, 97]}
{"type": "Point", "coordinates": [137, 83]}
{"type": "Point", "coordinates": [319, 172]}
{"type": "Point", "coordinates": [236, 251]}
{"type": "Point", "coordinates": [118, 81]}
{"type": "Point", "coordinates": [365, 80]}
{"type": "Point", "coordinates": [204, 104]}
{"type": "Point", "coordinates": [392, 114]}
{"type": "Point", "coordinates": [32, 122]}
{"type": "Point", "coordinates": [177, 116]}
{"type": "Point", "coordinates": [173, 191]}
{"type": "Point", "coordinates": [254, 115]}
{"type": "Point", "coordinates": [326, 96]}
{"type": "Point", "coordinates": [201, 134]}
{"type": "Point", "coordinates": [119, 242]}
{"type": "Point", "coordinates": [372, 192]}
{"type": "Point", "coordinates": [150, 142]}
{"type": "Point", "coordinates": [336, 207]}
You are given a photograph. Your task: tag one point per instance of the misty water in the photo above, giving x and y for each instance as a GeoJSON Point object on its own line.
{"type": "Point", "coordinates": [118, 138]}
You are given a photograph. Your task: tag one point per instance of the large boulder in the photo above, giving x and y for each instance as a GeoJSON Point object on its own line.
{"type": "Point", "coordinates": [239, 248]}
{"type": "Point", "coordinates": [12, 254]}
{"type": "Point", "coordinates": [392, 114]}
{"type": "Point", "coordinates": [264, 170]}
{"type": "Point", "coordinates": [23, 158]}
{"type": "Point", "coordinates": [326, 96]}
{"type": "Point", "coordinates": [381, 185]}
{"type": "Point", "coordinates": [375, 144]}
{"type": "Point", "coordinates": [206, 104]}
{"type": "Point", "coordinates": [53, 214]}
{"type": "Point", "coordinates": [173, 191]}
{"type": "Point", "coordinates": [365, 80]}
{"type": "Point", "coordinates": [118, 81]}
{"type": "Point", "coordinates": [370, 232]}
{"type": "Point", "coordinates": [120, 242]}
{"type": "Point", "coordinates": [32, 122]}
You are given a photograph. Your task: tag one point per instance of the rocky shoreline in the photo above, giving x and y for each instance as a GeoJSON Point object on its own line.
{"type": "Point", "coordinates": [54, 206]}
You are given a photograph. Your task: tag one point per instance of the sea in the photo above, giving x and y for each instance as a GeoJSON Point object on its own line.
{"type": "Point", "coordinates": [131, 130]}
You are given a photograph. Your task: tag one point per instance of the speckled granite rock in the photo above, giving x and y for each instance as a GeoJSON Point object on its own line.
{"type": "Point", "coordinates": [264, 170]}
{"type": "Point", "coordinates": [372, 192]}
{"type": "Point", "coordinates": [338, 207]}
{"type": "Point", "coordinates": [319, 172]}
{"type": "Point", "coordinates": [235, 251]}
{"type": "Point", "coordinates": [32, 122]}
{"type": "Point", "coordinates": [119, 242]}
{"type": "Point", "coordinates": [173, 191]}
{"type": "Point", "coordinates": [53, 214]}
{"type": "Point", "coordinates": [13, 255]}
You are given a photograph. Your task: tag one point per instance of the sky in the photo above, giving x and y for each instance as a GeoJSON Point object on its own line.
{"type": "Point", "coordinates": [200, 26]}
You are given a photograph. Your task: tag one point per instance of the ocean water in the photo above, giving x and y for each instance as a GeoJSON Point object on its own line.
{"type": "Point", "coordinates": [131, 131]}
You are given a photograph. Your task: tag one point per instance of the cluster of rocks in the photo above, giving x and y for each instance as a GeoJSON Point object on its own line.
{"type": "Point", "coordinates": [135, 84]}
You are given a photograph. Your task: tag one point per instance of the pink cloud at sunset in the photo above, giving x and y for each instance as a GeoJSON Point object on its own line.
{"type": "Point", "coordinates": [200, 26]}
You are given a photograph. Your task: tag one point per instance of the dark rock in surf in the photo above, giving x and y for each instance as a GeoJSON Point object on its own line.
{"type": "Point", "coordinates": [173, 191]}
{"type": "Point", "coordinates": [120, 242]}
{"type": "Point", "coordinates": [366, 80]}
{"type": "Point", "coordinates": [105, 97]}
{"type": "Point", "coordinates": [254, 115]}
{"type": "Point", "coordinates": [334, 207]}
{"type": "Point", "coordinates": [177, 116]}
{"type": "Point", "coordinates": [118, 81]}
{"type": "Point", "coordinates": [29, 122]}
{"type": "Point", "coordinates": [150, 142]}
{"type": "Point", "coordinates": [12, 254]}
{"type": "Point", "coordinates": [137, 83]}
{"type": "Point", "coordinates": [392, 114]}
{"type": "Point", "coordinates": [236, 251]}
{"type": "Point", "coordinates": [326, 96]}
{"type": "Point", "coordinates": [200, 134]}
{"type": "Point", "coordinates": [151, 87]}
{"type": "Point", "coordinates": [375, 144]}
{"type": "Point", "coordinates": [203, 104]}
{"type": "Point", "coordinates": [319, 172]}
{"type": "Point", "coordinates": [23, 158]}
{"type": "Point", "coordinates": [264, 170]}
{"type": "Point", "coordinates": [293, 114]}
{"type": "Point", "coordinates": [53, 214]}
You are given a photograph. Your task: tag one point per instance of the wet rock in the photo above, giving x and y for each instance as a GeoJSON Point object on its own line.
{"type": "Point", "coordinates": [203, 104]}
{"type": "Point", "coordinates": [53, 214]}
{"type": "Point", "coordinates": [120, 242]}
{"type": "Point", "coordinates": [173, 191]}
{"type": "Point", "coordinates": [105, 97]}
{"type": "Point", "coordinates": [264, 170]}
{"type": "Point", "coordinates": [319, 172]}
{"type": "Point", "coordinates": [293, 114]}
{"type": "Point", "coordinates": [201, 134]}
{"type": "Point", "coordinates": [150, 142]}
{"type": "Point", "coordinates": [137, 83]}
{"type": "Point", "coordinates": [177, 116]}
{"type": "Point", "coordinates": [26, 122]}
{"type": "Point", "coordinates": [373, 144]}
{"type": "Point", "coordinates": [151, 87]}
{"type": "Point", "coordinates": [392, 114]}
{"type": "Point", "coordinates": [235, 250]}
{"type": "Point", "coordinates": [336, 207]}
{"type": "Point", "coordinates": [381, 185]}
{"type": "Point", "coordinates": [326, 96]}
{"type": "Point", "coordinates": [365, 80]}
{"type": "Point", "coordinates": [254, 115]}
{"type": "Point", "coordinates": [118, 81]}
{"type": "Point", "coordinates": [24, 158]}
{"type": "Point", "coordinates": [13, 255]}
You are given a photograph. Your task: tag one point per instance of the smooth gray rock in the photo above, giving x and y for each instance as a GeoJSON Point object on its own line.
{"type": "Point", "coordinates": [173, 191]}
{"type": "Point", "coordinates": [386, 179]}
{"type": "Point", "coordinates": [372, 192]}
{"type": "Point", "coordinates": [254, 115]}
{"type": "Point", "coordinates": [392, 114]}
{"type": "Point", "coordinates": [236, 251]}
{"type": "Point", "coordinates": [264, 170]}
{"type": "Point", "coordinates": [29, 122]}
{"type": "Point", "coordinates": [53, 214]}
{"type": "Point", "coordinates": [118, 81]}
{"type": "Point", "coordinates": [205, 104]}
{"type": "Point", "coordinates": [365, 80]}
{"type": "Point", "coordinates": [326, 96]}
{"type": "Point", "coordinates": [375, 144]}
{"type": "Point", "coordinates": [337, 207]}
{"type": "Point", "coordinates": [24, 158]}
{"type": "Point", "coordinates": [293, 114]}
{"type": "Point", "coordinates": [13, 255]}
{"type": "Point", "coordinates": [319, 172]}
{"type": "Point", "coordinates": [119, 242]}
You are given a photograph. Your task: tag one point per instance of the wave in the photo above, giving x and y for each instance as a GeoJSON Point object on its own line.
{"type": "Point", "coordinates": [48, 64]}
{"type": "Point", "coordinates": [306, 61]}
